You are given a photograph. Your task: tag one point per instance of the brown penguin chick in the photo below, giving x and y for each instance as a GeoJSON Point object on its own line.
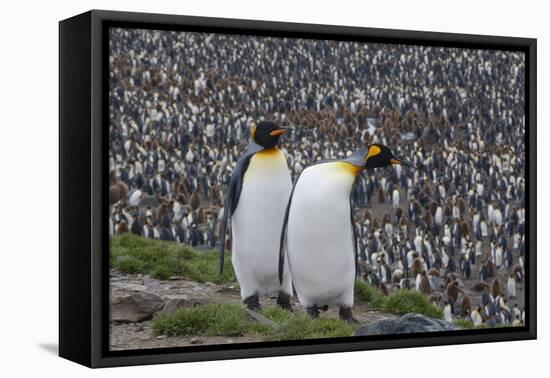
{"type": "Point", "coordinates": [201, 216]}
{"type": "Point", "coordinates": [114, 194]}
{"type": "Point", "coordinates": [228, 243]}
{"type": "Point", "coordinates": [452, 290]}
{"type": "Point", "coordinates": [517, 271]}
{"type": "Point", "coordinates": [428, 219]}
{"type": "Point", "coordinates": [496, 288]}
{"type": "Point", "coordinates": [424, 286]}
{"type": "Point", "coordinates": [122, 228]}
{"type": "Point", "coordinates": [195, 200]}
{"type": "Point", "coordinates": [464, 228]}
{"type": "Point", "coordinates": [381, 196]}
{"type": "Point", "coordinates": [122, 189]}
{"type": "Point", "coordinates": [398, 213]}
{"type": "Point", "coordinates": [181, 198]}
{"type": "Point", "coordinates": [215, 194]}
{"type": "Point", "coordinates": [480, 286]}
{"type": "Point", "coordinates": [384, 289]}
{"type": "Point", "coordinates": [490, 268]}
{"type": "Point", "coordinates": [160, 199]}
{"type": "Point", "coordinates": [434, 272]}
{"type": "Point", "coordinates": [164, 208]}
{"type": "Point", "coordinates": [181, 188]}
{"type": "Point", "coordinates": [465, 306]}
{"type": "Point", "coordinates": [367, 216]}
{"type": "Point", "coordinates": [416, 267]}
{"type": "Point", "coordinates": [432, 207]}
{"type": "Point", "coordinates": [461, 205]}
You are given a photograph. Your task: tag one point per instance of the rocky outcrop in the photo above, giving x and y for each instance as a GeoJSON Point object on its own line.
{"type": "Point", "coordinates": [134, 306]}
{"type": "Point", "coordinates": [136, 298]}
{"type": "Point", "coordinates": [409, 323]}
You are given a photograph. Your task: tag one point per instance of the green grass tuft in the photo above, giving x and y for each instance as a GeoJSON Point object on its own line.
{"type": "Point", "coordinates": [398, 302]}
{"type": "Point", "coordinates": [208, 320]}
{"type": "Point", "coordinates": [291, 326]}
{"type": "Point", "coordinates": [464, 323]}
{"type": "Point", "coordinates": [300, 327]}
{"type": "Point", "coordinates": [277, 314]}
{"type": "Point", "coordinates": [406, 301]}
{"type": "Point", "coordinates": [162, 260]}
{"type": "Point", "coordinates": [364, 292]}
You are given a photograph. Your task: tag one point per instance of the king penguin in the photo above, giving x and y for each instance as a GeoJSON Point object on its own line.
{"type": "Point", "coordinates": [259, 189]}
{"type": "Point", "coordinates": [319, 234]}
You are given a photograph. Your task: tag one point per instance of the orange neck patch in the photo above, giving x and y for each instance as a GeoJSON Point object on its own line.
{"type": "Point", "coordinates": [348, 167]}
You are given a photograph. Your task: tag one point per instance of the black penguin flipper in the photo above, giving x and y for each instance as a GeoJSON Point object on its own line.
{"type": "Point", "coordinates": [283, 232]}
{"type": "Point", "coordinates": [232, 200]}
{"type": "Point", "coordinates": [223, 230]}
{"type": "Point", "coordinates": [354, 238]}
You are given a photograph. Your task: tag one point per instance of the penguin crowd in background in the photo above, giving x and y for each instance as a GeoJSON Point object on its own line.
{"type": "Point", "coordinates": [448, 228]}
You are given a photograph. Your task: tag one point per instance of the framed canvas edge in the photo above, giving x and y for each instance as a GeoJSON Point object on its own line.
{"type": "Point", "coordinates": [101, 357]}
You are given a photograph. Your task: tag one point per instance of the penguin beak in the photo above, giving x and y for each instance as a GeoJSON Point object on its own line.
{"type": "Point", "coordinates": [279, 131]}
{"type": "Point", "coordinates": [401, 162]}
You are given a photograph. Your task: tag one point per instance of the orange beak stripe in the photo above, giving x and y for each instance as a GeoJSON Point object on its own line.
{"type": "Point", "coordinates": [277, 132]}
{"type": "Point", "coordinates": [395, 161]}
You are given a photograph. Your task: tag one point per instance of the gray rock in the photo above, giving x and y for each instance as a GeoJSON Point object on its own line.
{"type": "Point", "coordinates": [134, 306]}
{"type": "Point", "coordinates": [409, 323]}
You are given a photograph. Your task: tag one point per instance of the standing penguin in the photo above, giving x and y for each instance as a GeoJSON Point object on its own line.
{"type": "Point", "coordinates": [395, 197]}
{"type": "Point", "coordinates": [258, 193]}
{"type": "Point", "coordinates": [447, 312]}
{"type": "Point", "coordinates": [319, 234]}
{"type": "Point", "coordinates": [511, 286]}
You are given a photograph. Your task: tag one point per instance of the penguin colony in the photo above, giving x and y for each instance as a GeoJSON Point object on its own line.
{"type": "Point", "coordinates": [177, 126]}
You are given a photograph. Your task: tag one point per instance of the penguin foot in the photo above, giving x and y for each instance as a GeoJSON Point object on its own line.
{"type": "Point", "coordinates": [283, 300]}
{"type": "Point", "coordinates": [313, 311]}
{"type": "Point", "coordinates": [252, 302]}
{"type": "Point", "coordinates": [346, 315]}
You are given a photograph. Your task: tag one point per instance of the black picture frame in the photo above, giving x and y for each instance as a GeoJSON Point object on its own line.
{"type": "Point", "coordinates": [83, 238]}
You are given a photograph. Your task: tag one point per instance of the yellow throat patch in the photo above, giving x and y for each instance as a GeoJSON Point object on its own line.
{"type": "Point", "coordinates": [373, 151]}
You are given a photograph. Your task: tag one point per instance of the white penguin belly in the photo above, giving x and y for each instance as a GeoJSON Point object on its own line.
{"type": "Point", "coordinates": [257, 223]}
{"type": "Point", "coordinates": [320, 236]}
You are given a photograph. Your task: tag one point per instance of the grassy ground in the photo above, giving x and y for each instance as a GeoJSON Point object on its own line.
{"type": "Point", "coordinates": [398, 302]}
{"type": "Point", "coordinates": [464, 323]}
{"type": "Point", "coordinates": [162, 260]}
{"type": "Point", "coordinates": [232, 320]}
{"type": "Point", "coordinates": [208, 320]}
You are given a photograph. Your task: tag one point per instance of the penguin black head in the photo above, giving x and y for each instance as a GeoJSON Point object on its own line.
{"type": "Point", "coordinates": [375, 156]}
{"type": "Point", "coordinates": [267, 133]}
